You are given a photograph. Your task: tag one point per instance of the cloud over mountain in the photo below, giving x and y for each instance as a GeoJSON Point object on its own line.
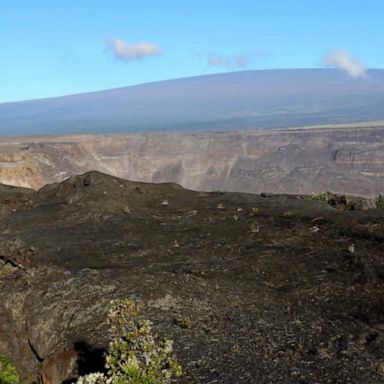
{"type": "Point", "coordinates": [218, 60]}
{"type": "Point", "coordinates": [344, 61]}
{"type": "Point", "coordinates": [125, 51]}
{"type": "Point", "coordinates": [230, 61]}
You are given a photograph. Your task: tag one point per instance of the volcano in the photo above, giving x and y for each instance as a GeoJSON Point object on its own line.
{"type": "Point", "coordinates": [246, 100]}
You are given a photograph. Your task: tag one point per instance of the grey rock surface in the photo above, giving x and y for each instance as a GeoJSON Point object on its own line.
{"type": "Point", "coordinates": [266, 298]}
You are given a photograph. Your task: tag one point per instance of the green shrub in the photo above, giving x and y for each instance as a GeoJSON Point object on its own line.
{"type": "Point", "coordinates": [380, 200]}
{"type": "Point", "coordinates": [322, 196]}
{"type": "Point", "coordinates": [8, 373]}
{"type": "Point", "coordinates": [134, 356]}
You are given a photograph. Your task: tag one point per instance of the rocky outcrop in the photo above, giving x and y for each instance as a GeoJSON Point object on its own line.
{"type": "Point", "coordinates": [272, 288]}
{"type": "Point", "coordinates": [346, 160]}
{"type": "Point", "coordinates": [17, 168]}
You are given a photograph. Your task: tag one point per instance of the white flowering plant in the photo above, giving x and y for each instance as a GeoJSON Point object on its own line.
{"type": "Point", "coordinates": [134, 356]}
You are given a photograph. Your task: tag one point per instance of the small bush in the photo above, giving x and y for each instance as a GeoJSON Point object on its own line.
{"type": "Point", "coordinates": [380, 200]}
{"type": "Point", "coordinates": [134, 356]}
{"type": "Point", "coordinates": [8, 373]}
{"type": "Point", "coordinates": [322, 197]}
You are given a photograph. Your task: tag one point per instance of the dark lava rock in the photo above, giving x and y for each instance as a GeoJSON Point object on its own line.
{"type": "Point", "coordinates": [350, 203]}
{"type": "Point", "coordinates": [258, 295]}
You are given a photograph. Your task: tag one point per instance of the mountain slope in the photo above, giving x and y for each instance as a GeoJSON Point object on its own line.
{"type": "Point", "coordinates": [238, 100]}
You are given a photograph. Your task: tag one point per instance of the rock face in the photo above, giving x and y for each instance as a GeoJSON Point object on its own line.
{"type": "Point", "coordinates": [342, 159]}
{"type": "Point", "coordinates": [272, 288]}
{"type": "Point", "coordinates": [17, 168]}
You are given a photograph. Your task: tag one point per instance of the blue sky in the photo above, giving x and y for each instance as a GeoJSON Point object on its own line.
{"type": "Point", "coordinates": [58, 47]}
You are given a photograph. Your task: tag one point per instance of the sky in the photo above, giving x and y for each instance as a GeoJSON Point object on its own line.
{"type": "Point", "coordinates": [58, 47]}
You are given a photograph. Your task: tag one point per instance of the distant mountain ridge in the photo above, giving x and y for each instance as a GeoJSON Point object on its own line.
{"type": "Point", "coordinates": [258, 99]}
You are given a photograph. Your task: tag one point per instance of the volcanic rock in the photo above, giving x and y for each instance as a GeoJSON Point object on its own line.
{"type": "Point", "coordinates": [341, 159]}
{"type": "Point", "coordinates": [280, 304]}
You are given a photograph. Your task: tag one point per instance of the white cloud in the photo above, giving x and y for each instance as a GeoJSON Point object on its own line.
{"type": "Point", "coordinates": [124, 51]}
{"type": "Point", "coordinates": [242, 61]}
{"type": "Point", "coordinates": [217, 60]}
{"type": "Point", "coordinates": [344, 61]}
